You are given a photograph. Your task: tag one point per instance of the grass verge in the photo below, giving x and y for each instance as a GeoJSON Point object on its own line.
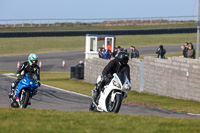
{"type": "Point", "coordinates": [12, 46]}
{"type": "Point", "coordinates": [51, 121]}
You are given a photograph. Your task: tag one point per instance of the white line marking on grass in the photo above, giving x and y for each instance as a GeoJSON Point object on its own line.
{"type": "Point", "coordinates": [10, 76]}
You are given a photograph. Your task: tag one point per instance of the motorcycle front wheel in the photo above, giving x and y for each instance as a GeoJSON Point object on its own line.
{"type": "Point", "coordinates": [24, 99]}
{"type": "Point", "coordinates": [116, 104]}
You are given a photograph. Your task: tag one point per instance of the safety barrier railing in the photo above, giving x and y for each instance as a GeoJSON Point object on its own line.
{"type": "Point", "coordinates": [97, 21]}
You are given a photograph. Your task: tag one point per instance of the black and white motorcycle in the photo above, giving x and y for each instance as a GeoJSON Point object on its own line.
{"type": "Point", "coordinates": [114, 92]}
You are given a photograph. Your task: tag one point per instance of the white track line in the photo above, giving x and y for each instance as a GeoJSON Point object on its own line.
{"type": "Point", "coordinates": [10, 75]}
{"type": "Point", "coordinates": [66, 91]}
{"type": "Point", "coordinates": [193, 114]}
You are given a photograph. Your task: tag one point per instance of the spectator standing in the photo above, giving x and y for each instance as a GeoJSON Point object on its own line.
{"type": "Point", "coordinates": [185, 52]}
{"type": "Point", "coordinates": [104, 53]}
{"type": "Point", "coordinates": [161, 52]}
{"type": "Point", "coordinates": [191, 51]}
{"type": "Point", "coordinates": [186, 48]}
{"type": "Point", "coordinates": [118, 49]}
{"type": "Point", "coordinates": [134, 52]}
{"type": "Point", "coordinates": [108, 54]}
{"type": "Point", "coordinates": [100, 52]}
{"type": "Point", "coordinates": [109, 46]}
{"type": "Point", "coordinates": [114, 52]}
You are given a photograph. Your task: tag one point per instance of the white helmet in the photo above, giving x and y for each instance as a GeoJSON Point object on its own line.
{"type": "Point", "coordinates": [32, 57]}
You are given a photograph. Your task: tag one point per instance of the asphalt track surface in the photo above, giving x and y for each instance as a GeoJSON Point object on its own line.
{"type": "Point", "coordinates": [58, 99]}
{"type": "Point", "coordinates": [53, 98]}
{"type": "Point", "coordinates": [53, 61]}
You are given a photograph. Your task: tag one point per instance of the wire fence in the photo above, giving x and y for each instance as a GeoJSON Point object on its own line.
{"type": "Point", "coordinates": [97, 21]}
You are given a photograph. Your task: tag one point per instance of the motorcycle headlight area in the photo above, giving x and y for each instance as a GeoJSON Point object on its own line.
{"type": "Point", "coordinates": [116, 84]}
{"type": "Point", "coordinates": [127, 87]}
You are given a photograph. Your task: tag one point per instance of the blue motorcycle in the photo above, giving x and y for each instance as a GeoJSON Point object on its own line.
{"type": "Point", "coordinates": [24, 91]}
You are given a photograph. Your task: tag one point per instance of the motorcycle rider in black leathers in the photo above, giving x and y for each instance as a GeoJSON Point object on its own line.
{"type": "Point", "coordinates": [25, 67]}
{"type": "Point", "coordinates": [117, 65]}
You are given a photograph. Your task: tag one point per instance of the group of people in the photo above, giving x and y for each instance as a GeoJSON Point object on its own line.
{"type": "Point", "coordinates": [188, 50]}
{"type": "Point", "coordinates": [107, 54]}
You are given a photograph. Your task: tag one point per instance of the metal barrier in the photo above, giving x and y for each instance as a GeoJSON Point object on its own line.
{"type": "Point", "coordinates": [4, 23]}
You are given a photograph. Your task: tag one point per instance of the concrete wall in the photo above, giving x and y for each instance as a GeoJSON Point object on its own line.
{"type": "Point", "coordinates": [174, 77]}
{"type": "Point", "coordinates": [95, 66]}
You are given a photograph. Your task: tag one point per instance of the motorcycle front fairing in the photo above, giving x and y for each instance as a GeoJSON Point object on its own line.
{"type": "Point", "coordinates": [114, 86]}
{"type": "Point", "coordinates": [28, 83]}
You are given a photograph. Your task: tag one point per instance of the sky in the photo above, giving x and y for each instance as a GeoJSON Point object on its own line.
{"type": "Point", "coordinates": [61, 9]}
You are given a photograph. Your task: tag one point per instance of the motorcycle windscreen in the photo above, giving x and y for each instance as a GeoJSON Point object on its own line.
{"type": "Point", "coordinates": [32, 76]}
{"type": "Point", "coordinates": [122, 77]}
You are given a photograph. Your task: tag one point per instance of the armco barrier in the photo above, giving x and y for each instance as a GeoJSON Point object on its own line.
{"type": "Point", "coordinates": [107, 32]}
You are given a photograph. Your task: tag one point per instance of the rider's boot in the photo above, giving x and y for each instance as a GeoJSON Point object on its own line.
{"type": "Point", "coordinates": [36, 92]}
{"type": "Point", "coordinates": [94, 92]}
{"type": "Point", "coordinates": [12, 88]}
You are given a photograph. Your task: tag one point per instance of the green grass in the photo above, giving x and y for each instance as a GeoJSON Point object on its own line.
{"type": "Point", "coordinates": [12, 46]}
{"type": "Point", "coordinates": [51, 121]}
{"type": "Point", "coordinates": [85, 27]}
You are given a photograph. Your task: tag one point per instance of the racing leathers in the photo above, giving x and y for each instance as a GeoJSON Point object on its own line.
{"type": "Point", "coordinates": [113, 67]}
{"type": "Point", "coordinates": [25, 67]}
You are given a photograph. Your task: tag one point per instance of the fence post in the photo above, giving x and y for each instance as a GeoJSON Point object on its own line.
{"type": "Point", "coordinates": [151, 20]}
{"type": "Point", "coordinates": [39, 22]}
{"type": "Point", "coordinates": [31, 23]}
{"type": "Point", "coordinates": [48, 22]}
{"type": "Point", "coordinates": [6, 23]}
{"type": "Point", "coordinates": [66, 22]}
{"type": "Point", "coordinates": [14, 23]}
{"type": "Point", "coordinates": [141, 75]}
{"type": "Point", "coordinates": [160, 21]}
{"type": "Point", "coordinates": [22, 23]}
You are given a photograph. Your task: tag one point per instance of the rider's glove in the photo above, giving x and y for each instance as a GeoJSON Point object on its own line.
{"type": "Point", "coordinates": [18, 76]}
{"type": "Point", "coordinates": [39, 83]}
{"type": "Point", "coordinates": [106, 79]}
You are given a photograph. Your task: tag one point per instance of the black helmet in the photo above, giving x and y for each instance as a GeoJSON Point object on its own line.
{"type": "Point", "coordinates": [123, 57]}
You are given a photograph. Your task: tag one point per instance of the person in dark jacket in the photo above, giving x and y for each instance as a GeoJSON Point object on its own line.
{"type": "Point", "coordinates": [161, 52]}
{"type": "Point", "coordinates": [108, 54]}
{"type": "Point", "coordinates": [117, 65]}
{"type": "Point", "coordinates": [134, 52]}
{"type": "Point", "coordinates": [26, 67]}
{"type": "Point", "coordinates": [184, 49]}
{"type": "Point", "coordinates": [114, 52]}
{"type": "Point", "coordinates": [100, 52]}
{"type": "Point", "coordinates": [191, 51]}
